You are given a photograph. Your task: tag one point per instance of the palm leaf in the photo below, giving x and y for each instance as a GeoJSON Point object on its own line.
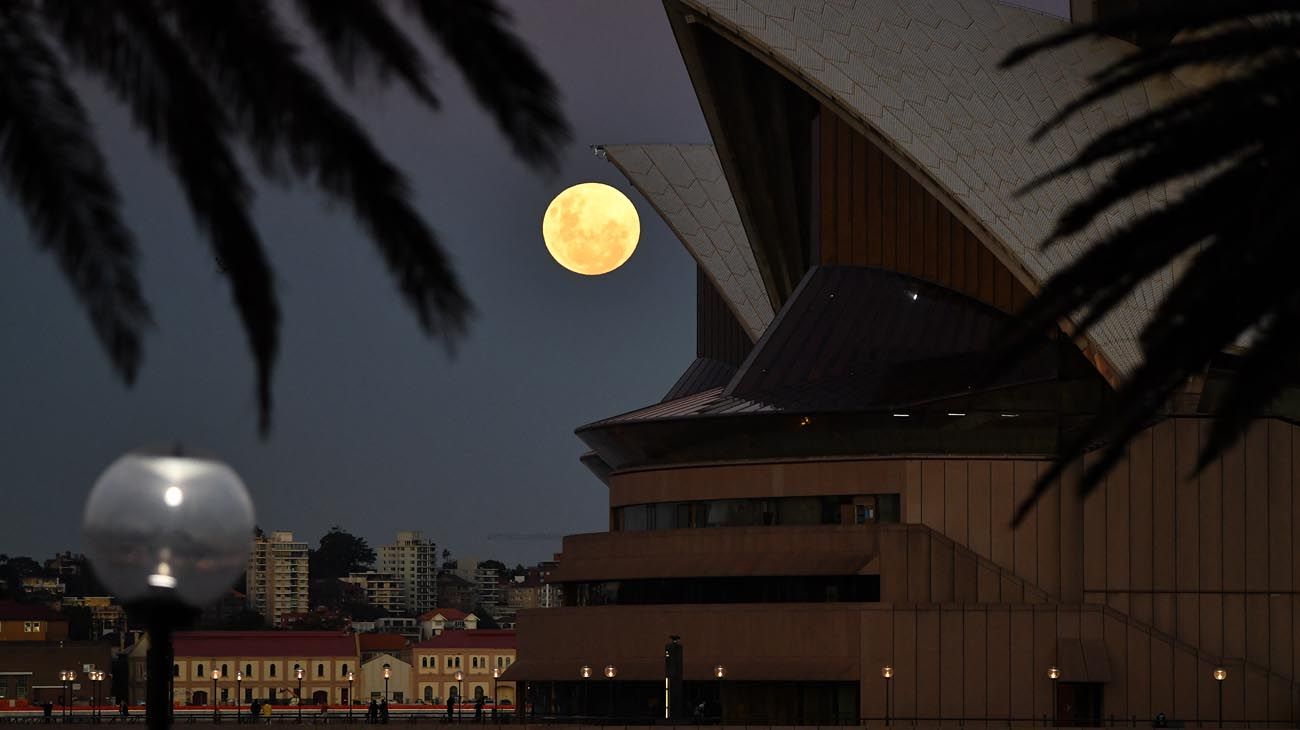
{"type": "Point", "coordinates": [51, 164]}
{"type": "Point", "coordinates": [126, 45]}
{"type": "Point", "coordinates": [1233, 146]}
{"type": "Point", "coordinates": [502, 73]}
{"type": "Point", "coordinates": [295, 128]}
{"type": "Point", "coordinates": [360, 35]}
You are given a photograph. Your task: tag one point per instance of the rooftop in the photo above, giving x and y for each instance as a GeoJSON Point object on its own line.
{"type": "Point", "coordinates": [265, 643]}
{"type": "Point", "coordinates": [462, 639]}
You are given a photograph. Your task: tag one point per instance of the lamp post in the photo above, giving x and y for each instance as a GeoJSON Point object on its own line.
{"type": "Point", "coordinates": [351, 676]}
{"type": "Point", "coordinates": [298, 672]}
{"type": "Point", "coordinates": [496, 701]}
{"type": "Point", "coordinates": [215, 674]}
{"type": "Point", "coordinates": [239, 696]}
{"type": "Point", "coordinates": [610, 672]}
{"type": "Point", "coordinates": [95, 676]}
{"type": "Point", "coordinates": [888, 673]}
{"type": "Point", "coordinates": [585, 672]}
{"type": "Point", "coordinates": [1220, 674]}
{"type": "Point", "coordinates": [67, 676]}
{"type": "Point", "coordinates": [1054, 674]}
{"type": "Point", "coordinates": [150, 533]}
{"type": "Point", "coordinates": [388, 672]}
{"type": "Point", "coordinates": [460, 689]}
{"type": "Point", "coordinates": [721, 673]}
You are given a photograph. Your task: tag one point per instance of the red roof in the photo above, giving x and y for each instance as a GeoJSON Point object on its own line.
{"type": "Point", "coordinates": [264, 643]}
{"type": "Point", "coordinates": [381, 642]}
{"type": "Point", "coordinates": [451, 614]}
{"type": "Point", "coordinates": [462, 639]}
{"type": "Point", "coordinates": [15, 611]}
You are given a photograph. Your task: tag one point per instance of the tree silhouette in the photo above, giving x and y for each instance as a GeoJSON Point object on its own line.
{"type": "Point", "coordinates": [1232, 141]}
{"type": "Point", "coordinates": [204, 79]}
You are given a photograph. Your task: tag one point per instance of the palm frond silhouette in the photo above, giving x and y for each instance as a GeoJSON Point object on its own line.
{"type": "Point", "coordinates": [1231, 143]}
{"type": "Point", "coordinates": [202, 80]}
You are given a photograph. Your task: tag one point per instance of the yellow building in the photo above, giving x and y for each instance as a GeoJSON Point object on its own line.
{"type": "Point", "coordinates": [261, 665]}
{"type": "Point", "coordinates": [475, 654]}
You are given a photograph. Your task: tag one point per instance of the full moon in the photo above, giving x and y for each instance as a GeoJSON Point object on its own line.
{"type": "Point", "coordinates": [591, 229]}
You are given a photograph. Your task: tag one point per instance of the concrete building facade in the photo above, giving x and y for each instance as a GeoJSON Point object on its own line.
{"type": "Point", "coordinates": [277, 577]}
{"type": "Point", "coordinates": [414, 560]}
{"type": "Point", "coordinates": [829, 490]}
{"type": "Point", "coordinates": [476, 654]}
{"type": "Point", "coordinates": [259, 665]}
{"type": "Point", "coordinates": [384, 590]}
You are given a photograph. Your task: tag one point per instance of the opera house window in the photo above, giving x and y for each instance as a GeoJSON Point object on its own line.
{"type": "Point", "coordinates": [832, 510]}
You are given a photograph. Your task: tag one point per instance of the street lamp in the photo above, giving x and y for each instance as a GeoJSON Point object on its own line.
{"type": "Point", "coordinates": [586, 677]}
{"type": "Point", "coordinates": [351, 676]}
{"type": "Point", "coordinates": [95, 676]}
{"type": "Point", "coordinates": [721, 673]}
{"type": "Point", "coordinates": [888, 673]}
{"type": "Point", "coordinates": [1220, 674]}
{"type": "Point", "coordinates": [388, 672]}
{"type": "Point", "coordinates": [460, 690]}
{"type": "Point", "coordinates": [215, 674]}
{"type": "Point", "coordinates": [150, 533]}
{"type": "Point", "coordinates": [239, 696]}
{"type": "Point", "coordinates": [496, 701]}
{"type": "Point", "coordinates": [67, 675]}
{"type": "Point", "coordinates": [298, 672]}
{"type": "Point", "coordinates": [1054, 674]}
{"type": "Point", "coordinates": [610, 672]}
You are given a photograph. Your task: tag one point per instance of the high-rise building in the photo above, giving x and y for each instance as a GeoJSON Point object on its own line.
{"type": "Point", "coordinates": [383, 590]}
{"type": "Point", "coordinates": [487, 585]}
{"type": "Point", "coordinates": [277, 576]}
{"type": "Point", "coordinates": [414, 560]}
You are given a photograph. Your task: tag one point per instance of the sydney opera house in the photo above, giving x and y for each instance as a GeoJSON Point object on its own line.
{"type": "Point", "coordinates": [827, 491]}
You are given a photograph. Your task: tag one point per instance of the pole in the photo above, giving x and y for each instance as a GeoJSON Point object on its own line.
{"type": "Point", "coordinates": [159, 670]}
{"type": "Point", "coordinates": [299, 696]}
{"type": "Point", "coordinates": [611, 698]}
{"type": "Point", "coordinates": [214, 696]}
{"type": "Point", "coordinates": [239, 698]}
{"type": "Point", "coordinates": [1055, 719]}
{"type": "Point", "coordinates": [1220, 683]}
{"type": "Point", "coordinates": [720, 713]}
{"type": "Point", "coordinates": [349, 696]}
{"type": "Point", "coordinates": [385, 689]}
{"type": "Point", "coordinates": [889, 682]}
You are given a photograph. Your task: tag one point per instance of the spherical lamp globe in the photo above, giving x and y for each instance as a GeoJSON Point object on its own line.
{"type": "Point", "coordinates": [168, 525]}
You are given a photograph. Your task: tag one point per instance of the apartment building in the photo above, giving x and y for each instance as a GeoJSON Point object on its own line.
{"type": "Point", "coordinates": [277, 576]}
{"type": "Point", "coordinates": [414, 561]}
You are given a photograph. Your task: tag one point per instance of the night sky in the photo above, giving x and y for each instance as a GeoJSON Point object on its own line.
{"type": "Point", "coordinates": [376, 428]}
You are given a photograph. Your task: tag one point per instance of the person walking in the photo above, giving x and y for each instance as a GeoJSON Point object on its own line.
{"type": "Point", "coordinates": [125, 710]}
{"type": "Point", "coordinates": [254, 709]}
{"type": "Point", "coordinates": [48, 709]}
{"type": "Point", "coordinates": [383, 711]}
{"type": "Point", "coordinates": [451, 705]}
{"type": "Point", "coordinates": [478, 708]}
{"type": "Point", "coordinates": [266, 713]}
{"type": "Point", "coordinates": [372, 712]}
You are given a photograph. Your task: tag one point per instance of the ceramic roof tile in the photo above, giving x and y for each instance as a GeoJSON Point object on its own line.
{"type": "Point", "coordinates": [905, 66]}
{"type": "Point", "coordinates": [686, 186]}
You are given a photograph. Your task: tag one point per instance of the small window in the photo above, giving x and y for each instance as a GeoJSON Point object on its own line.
{"type": "Point", "coordinates": [225, 670]}
{"type": "Point", "coordinates": [473, 662]}
{"type": "Point", "coordinates": [248, 671]}
{"type": "Point", "coordinates": [198, 671]}
{"type": "Point", "coordinates": [272, 673]}
{"type": "Point", "coordinates": [320, 670]}
{"type": "Point", "coordinates": [345, 671]}
{"type": "Point", "coordinates": [176, 670]}
{"type": "Point", "coordinates": [458, 662]}
{"type": "Point", "coordinates": [428, 693]}
{"type": "Point", "coordinates": [424, 662]}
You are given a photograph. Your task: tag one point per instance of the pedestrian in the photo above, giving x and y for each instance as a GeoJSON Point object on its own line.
{"type": "Point", "coordinates": [266, 713]}
{"type": "Point", "coordinates": [451, 705]}
{"type": "Point", "coordinates": [48, 709]}
{"type": "Point", "coordinates": [254, 708]}
{"type": "Point", "coordinates": [383, 711]}
{"type": "Point", "coordinates": [125, 710]}
{"type": "Point", "coordinates": [478, 708]}
{"type": "Point", "coordinates": [372, 712]}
